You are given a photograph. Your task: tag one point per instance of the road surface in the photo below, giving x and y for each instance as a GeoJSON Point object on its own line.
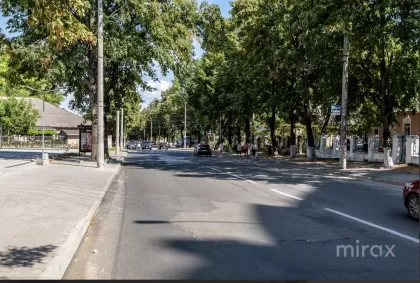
{"type": "Point", "coordinates": [175, 216]}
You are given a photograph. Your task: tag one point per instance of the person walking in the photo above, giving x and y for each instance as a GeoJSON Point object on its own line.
{"type": "Point", "coordinates": [253, 151]}
{"type": "Point", "coordinates": [270, 151]}
{"type": "Point", "coordinates": [246, 149]}
{"type": "Point", "coordinates": [239, 149]}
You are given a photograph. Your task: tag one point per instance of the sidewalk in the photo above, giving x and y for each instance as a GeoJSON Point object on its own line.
{"type": "Point", "coordinates": [44, 214]}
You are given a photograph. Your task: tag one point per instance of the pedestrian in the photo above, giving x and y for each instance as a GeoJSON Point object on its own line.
{"type": "Point", "coordinates": [270, 151]}
{"type": "Point", "coordinates": [239, 149]}
{"type": "Point", "coordinates": [246, 149]}
{"type": "Point", "coordinates": [253, 151]}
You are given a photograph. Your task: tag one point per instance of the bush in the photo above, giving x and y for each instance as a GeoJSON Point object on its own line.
{"type": "Point", "coordinates": [36, 132]}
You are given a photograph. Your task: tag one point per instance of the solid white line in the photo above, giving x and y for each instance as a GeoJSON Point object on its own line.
{"type": "Point", "coordinates": [375, 226]}
{"type": "Point", "coordinates": [236, 176]}
{"type": "Point", "coordinates": [287, 195]}
{"type": "Point", "coordinates": [252, 182]}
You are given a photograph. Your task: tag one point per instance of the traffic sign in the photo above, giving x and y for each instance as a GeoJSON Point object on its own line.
{"type": "Point", "coordinates": [335, 110]}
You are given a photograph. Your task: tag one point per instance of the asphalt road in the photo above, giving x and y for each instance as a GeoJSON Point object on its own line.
{"type": "Point", "coordinates": [176, 216]}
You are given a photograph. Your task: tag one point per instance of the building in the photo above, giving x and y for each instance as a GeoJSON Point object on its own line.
{"type": "Point", "coordinates": [407, 124]}
{"type": "Point", "coordinates": [58, 119]}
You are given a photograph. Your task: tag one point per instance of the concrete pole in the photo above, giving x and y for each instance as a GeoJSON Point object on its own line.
{"type": "Point", "coordinates": [117, 135]}
{"type": "Point", "coordinates": [185, 124]}
{"type": "Point", "coordinates": [43, 135]}
{"type": "Point", "coordinates": [343, 132]}
{"type": "Point", "coordinates": [100, 90]}
{"type": "Point", "coordinates": [122, 145]}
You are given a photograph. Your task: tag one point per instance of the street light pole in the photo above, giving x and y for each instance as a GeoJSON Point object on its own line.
{"type": "Point", "coordinates": [117, 135]}
{"type": "Point", "coordinates": [122, 145]}
{"type": "Point", "coordinates": [42, 116]}
{"type": "Point", "coordinates": [100, 90]}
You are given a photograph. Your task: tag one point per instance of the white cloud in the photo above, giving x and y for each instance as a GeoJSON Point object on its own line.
{"type": "Point", "coordinates": [149, 96]}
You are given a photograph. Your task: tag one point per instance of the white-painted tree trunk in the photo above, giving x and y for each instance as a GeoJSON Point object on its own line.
{"type": "Point", "coordinates": [292, 151]}
{"type": "Point", "coordinates": [310, 152]}
{"type": "Point", "coordinates": [388, 162]}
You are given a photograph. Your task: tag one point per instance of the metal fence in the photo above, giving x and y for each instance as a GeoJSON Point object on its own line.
{"type": "Point", "coordinates": [33, 142]}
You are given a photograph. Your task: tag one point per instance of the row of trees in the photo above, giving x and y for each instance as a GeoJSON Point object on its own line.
{"type": "Point", "coordinates": [57, 45]}
{"type": "Point", "coordinates": [276, 60]}
{"type": "Point", "coordinates": [282, 61]}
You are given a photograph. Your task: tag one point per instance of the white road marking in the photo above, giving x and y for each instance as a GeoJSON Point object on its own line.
{"type": "Point", "coordinates": [290, 196]}
{"type": "Point", "coordinates": [374, 225]}
{"type": "Point", "coordinates": [236, 176]}
{"type": "Point", "coordinates": [214, 169]}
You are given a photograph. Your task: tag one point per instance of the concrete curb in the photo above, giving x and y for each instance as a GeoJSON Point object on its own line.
{"type": "Point", "coordinates": [60, 262]}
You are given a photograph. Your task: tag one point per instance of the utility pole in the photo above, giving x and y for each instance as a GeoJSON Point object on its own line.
{"type": "Point", "coordinates": [253, 128]}
{"type": "Point", "coordinates": [159, 132]}
{"type": "Point", "coordinates": [185, 124]}
{"type": "Point", "coordinates": [343, 134]}
{"type": "Point", "coordinates": [122, 145]}
{"type": "Point", "coordinates": [100, 87]}
{"type": "Point", "coordinates": [220, 138]}
{"type": "Point", "coordinates": [151, 129]}
{"type": "Point", "coordinates": [117, 134]}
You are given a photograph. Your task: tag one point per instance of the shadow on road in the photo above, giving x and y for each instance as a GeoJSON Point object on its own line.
{"type": "Point", "coordinates": [299, 241]}
{"type": "Point", "coordinates": [24, 256]}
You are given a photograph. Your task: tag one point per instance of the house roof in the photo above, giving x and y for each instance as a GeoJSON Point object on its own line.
{"type": "Point", "coordinates": [54, 117]}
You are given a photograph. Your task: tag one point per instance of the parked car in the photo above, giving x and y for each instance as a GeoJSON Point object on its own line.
{"type": "Point", "coordinates": [163, 145]}
{"type": "Point", "coordinates": [202, 149]}
{"type": "Point", "coordinates": [411, 198]}
{"type": "Point", "coordinates": [146, 145]}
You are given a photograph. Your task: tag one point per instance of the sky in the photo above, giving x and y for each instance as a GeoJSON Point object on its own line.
{"type": "Point", "coordinates": [164, 82]}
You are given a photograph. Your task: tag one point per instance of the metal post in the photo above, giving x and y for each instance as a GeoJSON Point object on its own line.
{"type": "Point", "coordinates": [117, 135]}
{"type": "Point", "coordinates": [343, 134]}
{"type": "Point", "coordinates": [185, 124]}
{"type": "Point", "coordinates": [100, 87]}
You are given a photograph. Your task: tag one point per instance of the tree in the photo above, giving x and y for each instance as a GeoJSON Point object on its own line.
{"type": "Point", "coordinates": [17, 116]}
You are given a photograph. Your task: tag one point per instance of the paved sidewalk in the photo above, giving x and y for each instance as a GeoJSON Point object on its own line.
{"type": "Point", "coordinates": [44, 214]}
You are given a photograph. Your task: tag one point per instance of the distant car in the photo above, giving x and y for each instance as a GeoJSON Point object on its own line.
{"type": "Point", "coordinates": [163, 145]}
{"type": "Point", "coordinates": [146, 145]}
{"type": "Point", "coordinates": [202, 149]}
{"type": "Point", "coordinates": [134, 145]}
{"type": "Point", "coordinates": [411, 198]}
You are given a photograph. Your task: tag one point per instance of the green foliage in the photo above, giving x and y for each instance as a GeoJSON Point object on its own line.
{"type": "Point", "coordinates": [17, 116]}
{"type": "Point", "coordinates": [36, 132]}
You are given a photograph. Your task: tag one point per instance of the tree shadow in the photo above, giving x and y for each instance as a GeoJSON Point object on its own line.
{"type": "Point", "coordinates": [24, 256]}
{"type": "Point", "coordinates": [298, 241]}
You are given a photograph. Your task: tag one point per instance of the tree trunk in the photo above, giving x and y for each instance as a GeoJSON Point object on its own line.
{"type": "Point", "coordinates": [310, 148]}
{"type": "Point", "coordinates": [272, 125]}
{"type": "Point", "coordinates": [292, 141]}
{"type": "Point", "coordinates": [247, 129]}
{"type": "Point", "coordinates": [387, 102]}
{"type": "Point", "coordinates": [229, 130]}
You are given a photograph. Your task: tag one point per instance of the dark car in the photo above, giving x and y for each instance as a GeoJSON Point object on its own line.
{"type": "Point", "coordinates": [146, 145]}
{"type": "Point", "coordinates": [202, 149]}
{"type": "Point", "coordinates": [411, 198]}
{"type": "Point", "coordinates": [164, 145]}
